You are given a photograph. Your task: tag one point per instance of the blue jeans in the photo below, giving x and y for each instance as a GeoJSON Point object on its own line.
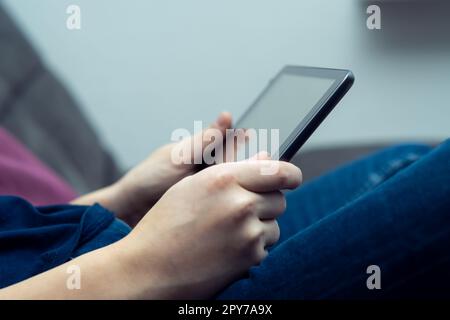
{"type": "Point", "coordinates": [391, 209]}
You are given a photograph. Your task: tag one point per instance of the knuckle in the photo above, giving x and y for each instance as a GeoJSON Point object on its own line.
{"type": "Point", "coordinates": [221, 179]}
{"type": "Point", "coordinates": [253, 243]}
{"type": "Point", "coordinates": [246, 206]}
{"type": "Point", "coordinates": [243, 208]}
{"type": "Point", "coordinates": [254, 234]}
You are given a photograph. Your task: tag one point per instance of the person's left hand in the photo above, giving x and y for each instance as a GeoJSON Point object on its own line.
{"type": "Point", "coordinates": [143, 185]}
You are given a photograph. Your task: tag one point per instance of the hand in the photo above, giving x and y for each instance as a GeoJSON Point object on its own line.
{"type": "Point", "coordinates": [189, 245]}
{"type": "Point", "coordinates": [207, 230]}
{"type": "Point", "coordinates": [142, 187]}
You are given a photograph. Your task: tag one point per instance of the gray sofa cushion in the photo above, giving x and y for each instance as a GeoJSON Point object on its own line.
{"type": "Point", "coordinates": [317, 162]}
{"type": "Point", "coordinates": [36, 108]}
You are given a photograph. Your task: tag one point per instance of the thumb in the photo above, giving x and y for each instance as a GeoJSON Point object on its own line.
{"type": "Point", "coordinates": [222, 123]}
{"type": "Point", "coordinates": [214, 135]}
{"type": "Point", "coordinates": [262, 155]}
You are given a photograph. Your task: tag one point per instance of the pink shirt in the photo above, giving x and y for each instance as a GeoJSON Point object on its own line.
{"type": "Point", "coordinates": [23, 174]}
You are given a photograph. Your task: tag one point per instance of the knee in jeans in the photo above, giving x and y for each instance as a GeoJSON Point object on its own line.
{"type": "Point", "coordinates": [406, 153]}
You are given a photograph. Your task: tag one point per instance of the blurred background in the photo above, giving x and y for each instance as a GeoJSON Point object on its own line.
{"type": "Point", "coordinates": [141, 68]}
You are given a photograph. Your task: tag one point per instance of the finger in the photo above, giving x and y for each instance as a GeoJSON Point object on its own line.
{"type": "Point", "coordinates": [224, 121]}
{"type": "Point", "coordinates": [235, 146]}
{"type": "Point", "coordinates": [270, 205]}
{"type": "Point", "coordinates": [234, 139]}
{"type": "Point", "coordinates": [271, 232]}
{"type": "Point", "coordinates": [263, 155]}
{"type": "Point", "coordinates": [251, 175]}
{"type": "Point", "coordinates": [210, 138]}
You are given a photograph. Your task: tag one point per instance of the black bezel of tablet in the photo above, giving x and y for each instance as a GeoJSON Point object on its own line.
{"type": "Point", "coordinates": [343, 80]}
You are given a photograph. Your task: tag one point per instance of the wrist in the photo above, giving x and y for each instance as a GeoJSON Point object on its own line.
{"type": "Point", "coordinates": [106, 274]}
{"type": "Point", "coordinates": [132, 200]}
{"type": "Point", "coordinates": [114, 197]}
{"type": "Point", "coordinates": [140, 270]}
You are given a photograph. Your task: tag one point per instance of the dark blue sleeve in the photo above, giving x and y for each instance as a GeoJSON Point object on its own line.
{"type": "Point", "coordinates": [36, 239]}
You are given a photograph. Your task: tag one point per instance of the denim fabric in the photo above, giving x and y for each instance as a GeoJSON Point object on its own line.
{"type": "Point", "coordinates": [391, 210]}
{"type": "Point", "coordinates": [36, 239]}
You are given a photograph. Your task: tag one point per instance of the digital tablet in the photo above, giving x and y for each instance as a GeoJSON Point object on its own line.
{"type": "Point", "coordinates": [295, 102]}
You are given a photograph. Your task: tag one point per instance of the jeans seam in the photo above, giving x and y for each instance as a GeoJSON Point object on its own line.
{"type": "Point", "coordinates": [382, 175]}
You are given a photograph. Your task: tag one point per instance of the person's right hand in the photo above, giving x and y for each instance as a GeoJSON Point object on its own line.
{"type": "Point", "coordinates": [208, 230]}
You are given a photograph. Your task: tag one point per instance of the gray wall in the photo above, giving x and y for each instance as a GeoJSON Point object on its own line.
{"type": "Point", "coordinates": [143, 68]}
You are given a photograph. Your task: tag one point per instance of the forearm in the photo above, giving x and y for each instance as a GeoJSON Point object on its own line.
{"type": "Point", "coordinates": [101, 276]}
{"type": "Point", "coordinates": [112, 272]}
